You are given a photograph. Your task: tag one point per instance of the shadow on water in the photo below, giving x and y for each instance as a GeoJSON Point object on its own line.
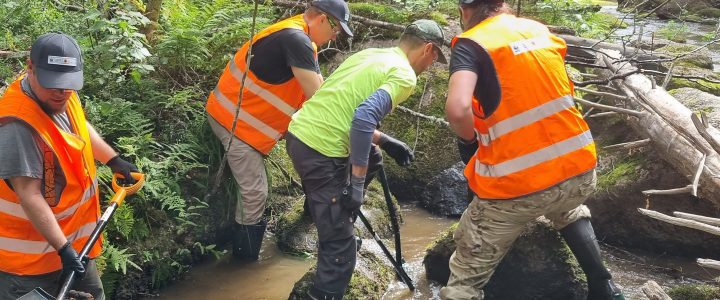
{"type": "Point", "coordinates": [275, 274]}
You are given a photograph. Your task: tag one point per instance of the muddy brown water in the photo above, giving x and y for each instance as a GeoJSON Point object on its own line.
{"type": "Point", "coordinates": [275, 274]}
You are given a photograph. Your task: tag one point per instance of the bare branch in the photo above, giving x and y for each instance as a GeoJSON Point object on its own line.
{"type": "Point", "coordinates": [13, 54]}
{"type": "Point", "coordinates": [633, 113]}
{"type": "Point", "coordinates": [628, 145]}
{"type": "Point", "coordinates": [655, 9]}
{"type": "Point", "coordinates": [702, 219]}
{"type": "Point", "coordinates": [709, 263]}
{"type": "Point", "coordinates": [292, 180]}
{"type": "Point", "coordinates": [682, 190]}
{"type": "Point", "coordinates": [607, 80]}
{"type": "Point", "coordinates": [603, 94]}
{"type": "Point", "coordinates": [435, 120]}
{"type": "Point", "coordinates": [696, 179]}
{"type": "Point", "coordinates": [702, 129]}
{"type": "Point", "coordinates": [602, 114]}
{"type": "Point", "coordinates": [680, 222]}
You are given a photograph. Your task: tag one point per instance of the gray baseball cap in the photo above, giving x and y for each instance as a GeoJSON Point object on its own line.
{"type": "Point", "coordinates": [338, 9]}
{"type": "Point", "coordinates": [431, 32]}
{"type": "Point", "coordinates": [57, 61]}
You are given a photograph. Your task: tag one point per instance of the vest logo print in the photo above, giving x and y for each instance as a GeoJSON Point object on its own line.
{"type": "Point", "coordinates": [528, 45]}
{"type": "Point", "coordinates": [62, 61]}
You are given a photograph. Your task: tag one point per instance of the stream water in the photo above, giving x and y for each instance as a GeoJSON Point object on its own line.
{"type": "Point", "coordinates": [275, 274]}
{"type": "Point", "coordinates": [695, 33]}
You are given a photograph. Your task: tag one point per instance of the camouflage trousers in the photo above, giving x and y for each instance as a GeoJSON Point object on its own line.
{"type": "Point", "coordinates": [487, 230]}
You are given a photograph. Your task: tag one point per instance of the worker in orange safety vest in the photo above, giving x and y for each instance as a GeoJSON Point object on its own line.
{"type": "Point", "coordinates": [48, 187]}
{"type": "Point", "coordinates": [283, 73]}
{"type": "Point", "coordinates": [528, 150]}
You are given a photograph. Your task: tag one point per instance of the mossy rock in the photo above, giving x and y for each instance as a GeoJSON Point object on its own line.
{"type": "Point", "coordinates": [296, 234]}
{"type": "Point", "coordinates": [700, 102]}
{"type": "Point", "coordinates": [434, 144]}
{"type": "Point", "coordinates": [370, 279]}
{"type": "Point", "coordinates": [701, 59]}
{"type": "Point", "coordinates": [539, 266]}
{"type": "Point", "coordinates": [694, 292]}
{"type": "Point", "coordinates": [703, 85]}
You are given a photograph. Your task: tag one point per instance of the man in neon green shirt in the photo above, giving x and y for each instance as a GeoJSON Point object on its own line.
{"type": "Point", "coordinates": [337, 127]}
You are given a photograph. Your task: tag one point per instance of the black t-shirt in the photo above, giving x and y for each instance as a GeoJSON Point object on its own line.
{"type": "Point", "coordinates": [277, 52]}
{"type": "Point", "coordinates": [469, 56]}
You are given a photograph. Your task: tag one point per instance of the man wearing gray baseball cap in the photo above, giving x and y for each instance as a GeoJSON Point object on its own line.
{"type": "Point", "coordinates": [48, 187]}
{"type": "Point", "coordinates": [332, 142]}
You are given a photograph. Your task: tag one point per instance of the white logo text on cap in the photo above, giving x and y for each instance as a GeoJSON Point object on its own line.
{"type": "Point", "coordinates": [62, 61]}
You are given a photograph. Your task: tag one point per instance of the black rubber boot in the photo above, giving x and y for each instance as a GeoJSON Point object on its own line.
{"type": "Point", "coordinates": [247, 240]}
{"type": "Point", "coordinates": [318, 294]}
{"type": "Point", "coordinates": [580, 237]}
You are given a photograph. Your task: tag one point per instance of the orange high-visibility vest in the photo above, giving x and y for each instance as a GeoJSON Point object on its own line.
{"type": "Point", "coordinates": [23, 250]}
{"type": "Point", "coordinates": [266, 108]}
{"type": "Point", "coordinates": [536, 138]}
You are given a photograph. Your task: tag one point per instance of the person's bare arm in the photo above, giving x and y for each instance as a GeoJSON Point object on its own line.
{"type": "Point", "coordinates": [310, 81]}
{"type": "Point", "coordinates": [38, 210]}
{"type": "Point", "coordinates": [458, 108]}
{"type": "Point", "coordinates": [101, 150]}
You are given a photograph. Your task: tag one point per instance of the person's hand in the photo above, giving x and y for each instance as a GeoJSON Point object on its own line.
{"type": "Point", "coordinates": [353, 194]}
{"type": "Point", "coordinates": [70, 261]}
{"type": "Point", "coordinates": [398, 150]}
{"type": "Point", "coordinates": [467, 148]}
{"type": "Point", "coordinates": [123, 167]}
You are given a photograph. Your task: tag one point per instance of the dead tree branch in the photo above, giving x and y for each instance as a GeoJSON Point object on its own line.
{"type": "Point", "coordinates": [628, 145]}
{"type": "Point", "coordinates": [62, 6]}
{"type": "Point", "coordinates": [435, 120]}
{"type": "Point", "coordinates": [702, 219]}
{"type": "Point", "coordinates": [633, 113]}
{"type": "Point", "coordinates": [681, 222]}
{"type": "Point", "coordinates": [709, 263]}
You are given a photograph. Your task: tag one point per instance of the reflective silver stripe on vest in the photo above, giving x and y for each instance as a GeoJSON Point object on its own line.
{"type": "Point", "coordinates": [534, 158]}
{"type": "Point", "coordinates": [526, 118]}
{"type": "Point", "coordinates": [14, 209]}
{"type": "Point", "coordinates": [246, 117]}
{"type": "Point", "coordinates": [261, 92]}
{"type": "Point", "coordinates": [40, 247]}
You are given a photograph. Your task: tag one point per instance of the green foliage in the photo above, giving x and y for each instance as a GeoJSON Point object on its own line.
{"type": "Point", "coordinates": [674, 31]}
{"type": "Point", "coordinates": [694, 292]}
{"type": "Point", "coordinates": [583, 16]}
{"type": "Point", "coordinates": [117, 259]}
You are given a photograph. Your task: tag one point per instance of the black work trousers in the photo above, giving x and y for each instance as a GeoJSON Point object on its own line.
{"type": "Point", "coordinates": [323, 179]}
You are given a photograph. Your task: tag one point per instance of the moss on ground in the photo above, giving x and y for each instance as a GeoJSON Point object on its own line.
{"type": "Point", "coordinates": [709, 12]}
{"type": "Point", "coordinates": [622, 171]}
{"type": "Point", "coordinates": [700, 59]}
{"type": "Point", "coordinates": [703, 85]}
{"type": "Point", "coordinates": [694, 292]}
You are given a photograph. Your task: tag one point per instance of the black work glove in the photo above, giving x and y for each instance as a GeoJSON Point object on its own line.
{"type": "Point", "coordinates": [123, 167]}
{"type": "Point", "coordinates": [353, 194]}
{"type": "Point", "coordinates": [467, 149]}
{"type": "Point", "coordinates": [71, 261]}
{"type": "Point", "coordinates": [398, 150]}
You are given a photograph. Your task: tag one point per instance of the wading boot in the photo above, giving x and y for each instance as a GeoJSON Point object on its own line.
{"type": "Point", "coordinates": [318, 294]}
{"type": "Point", "coordinates": [247, 240]}
{"type": "Point", "coordinates": [580, 237]}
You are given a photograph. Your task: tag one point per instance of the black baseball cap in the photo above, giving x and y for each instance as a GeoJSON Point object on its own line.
{"type": "Point", "coordinates": [429, 31]}
{"type": "Point", "coordinates": [57, 61]}
{"type": "Point", "coordinates": [338, 9]}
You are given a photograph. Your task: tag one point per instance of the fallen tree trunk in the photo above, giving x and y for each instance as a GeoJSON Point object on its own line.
{"type": "Point", "coordinates": [669, 126]}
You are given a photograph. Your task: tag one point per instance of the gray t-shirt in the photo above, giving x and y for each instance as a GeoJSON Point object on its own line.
{"type": "Point", "coordinates": [23, 152]}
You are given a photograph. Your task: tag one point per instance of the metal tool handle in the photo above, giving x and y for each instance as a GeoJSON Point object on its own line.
{"type": "Point", "coordinates": [398, 267]}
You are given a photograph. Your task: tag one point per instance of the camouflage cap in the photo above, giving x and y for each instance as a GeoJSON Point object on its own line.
{"type": "Point", "coordinates": [429, 31]}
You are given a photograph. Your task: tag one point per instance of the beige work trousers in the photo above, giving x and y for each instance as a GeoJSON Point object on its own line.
{"type": "Point", "coordinates": [248, 168]}
{"type": "Point", "coordinates": [487, 230]}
